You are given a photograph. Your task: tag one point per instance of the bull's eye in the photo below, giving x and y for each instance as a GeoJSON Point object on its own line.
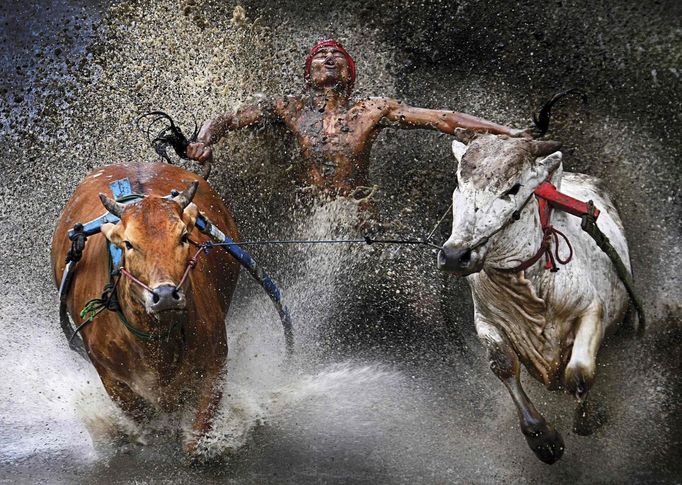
{"type": "Point", "coordinates": [513, 191]}
{"type": "Point", "coordinates": [128, 245]}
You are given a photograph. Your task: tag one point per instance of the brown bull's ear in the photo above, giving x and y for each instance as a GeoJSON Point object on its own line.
{"type": "Point", "coordinates": [464, 135]}
{"type": "Point", "coordinates": [544, 148]}
{"type": "Point", "coordinates": [189, 216]}
{"type": "Point", "coordinates": [113, 233]}
{"type": "Point", "coordinates": [186, 196]}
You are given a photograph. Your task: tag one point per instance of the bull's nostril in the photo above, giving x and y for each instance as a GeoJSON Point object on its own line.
{"type": "Point", "coordinates": [176, 295]}
{"type": "Point", "coordinates": [465, 257]}
{"type": "Point", "coordinates": [155, 297]}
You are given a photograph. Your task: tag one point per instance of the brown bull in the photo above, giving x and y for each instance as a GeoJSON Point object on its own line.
{"type": "Point", "coordinates": [180, 366]}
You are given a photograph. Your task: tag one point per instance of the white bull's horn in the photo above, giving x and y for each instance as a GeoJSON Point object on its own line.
{"type": "Point", "coordinates": [185, 197]}
{"type": "Point", "coordinates": [112, 206]}
{"type": "Point", "coordinates": [544, 148]}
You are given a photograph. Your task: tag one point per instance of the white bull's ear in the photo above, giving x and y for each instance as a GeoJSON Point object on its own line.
{"type": "Point", "coordinates": [458, 149]}
{"type": "Point", "coordinates": [550, 162]}
{"type": "Point", "coordinates": [546, 166]}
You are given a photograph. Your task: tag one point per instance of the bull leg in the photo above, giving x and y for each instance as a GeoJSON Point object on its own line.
{"type": "Point", "coordinates": [207, 404]}
{"type": "Point", "coordinates": [582, 367]}
{"type": "Point", "coordinates": [133, 405]}
{"type": "Point", "coordinates": [542, 438]}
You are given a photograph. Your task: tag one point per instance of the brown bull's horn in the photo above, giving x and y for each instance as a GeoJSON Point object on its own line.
{"type": "Point", "coordinates": [112, 206]}
{"type": "Point", "coordinates": [185, 197]}
{"type": "Point", "coordinates": [544, 148]}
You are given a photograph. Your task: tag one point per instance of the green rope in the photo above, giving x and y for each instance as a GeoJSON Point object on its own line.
{"type": "Point", "coordinates": [92, 309]}
{"type": "Point", "coordinates": [108, 301]}
{"type": "Point", "coordinates": [141, 334]}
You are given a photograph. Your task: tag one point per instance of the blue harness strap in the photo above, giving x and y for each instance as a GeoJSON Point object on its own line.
{"type": "Point", "coordinates": [245, 259]}
{"type": "Point", "coordinates": [121, 188]}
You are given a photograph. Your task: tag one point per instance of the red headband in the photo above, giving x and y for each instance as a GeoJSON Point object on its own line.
{"type": "Point", "coordinates": [339, 47]}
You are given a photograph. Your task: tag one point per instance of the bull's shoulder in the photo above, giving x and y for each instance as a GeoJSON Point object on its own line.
{"type": "Point", "coordinates": [511, 304]}
{"type": "Point", "coordinates": [587, 187]}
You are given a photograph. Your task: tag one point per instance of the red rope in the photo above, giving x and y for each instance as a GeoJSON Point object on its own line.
{"type": "Point", "coordinates": [190, 265]}
{"type": "Point", "coordinates": [552, 259]}
{"type": "Point", "coordinates": [545, 199]}
{"type": "Point", "coordinates": [128, 274]}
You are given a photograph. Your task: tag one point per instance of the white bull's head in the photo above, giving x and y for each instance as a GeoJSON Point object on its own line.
{"type": "Point", "coordinates": [495, 178]}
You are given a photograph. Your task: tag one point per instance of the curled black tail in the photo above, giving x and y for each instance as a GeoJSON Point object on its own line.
{"type": "Point", "coordinates": [541, 121]}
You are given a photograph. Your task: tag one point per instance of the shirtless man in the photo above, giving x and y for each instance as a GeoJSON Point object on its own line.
{"type": "Point", "coordinates": [335, 134]}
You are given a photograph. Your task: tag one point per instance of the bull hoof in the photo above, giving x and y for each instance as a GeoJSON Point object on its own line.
{"type": "Point", "coordinates": [546, 442]}
{"type": "Point", "coordinates": [578, 380]}
{"type": "Point", "coordinates": [589, 416]}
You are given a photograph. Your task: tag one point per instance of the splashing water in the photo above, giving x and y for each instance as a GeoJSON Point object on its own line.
{"type": "Point", "coordinates": [428, 415]}
{"type": "Point", "coordinates": [50, 390]}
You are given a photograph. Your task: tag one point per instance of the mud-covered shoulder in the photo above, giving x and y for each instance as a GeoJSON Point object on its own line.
{"type": "Point", "coordinates": [375, 103]}
{"type": "Point", "coordinates": [289, 100]}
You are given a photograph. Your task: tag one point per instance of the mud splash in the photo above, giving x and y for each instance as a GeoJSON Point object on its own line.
{"type": "Point", "coordinates": [390, 385]}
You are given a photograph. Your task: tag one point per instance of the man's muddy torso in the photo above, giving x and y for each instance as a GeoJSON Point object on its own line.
{"type": "Point", "coordinates": [334, 143]}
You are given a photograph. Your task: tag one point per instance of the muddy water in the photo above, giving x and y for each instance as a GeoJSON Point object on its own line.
{"type": "Point", "coordinates": [389, 384]}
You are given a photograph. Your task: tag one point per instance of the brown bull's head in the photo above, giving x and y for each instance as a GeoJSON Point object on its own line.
{"type": "Point", "coordinates": [154, 236]}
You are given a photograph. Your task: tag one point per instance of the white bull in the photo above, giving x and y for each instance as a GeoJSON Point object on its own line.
{"type": "Point", "coordinates": [553, 322]}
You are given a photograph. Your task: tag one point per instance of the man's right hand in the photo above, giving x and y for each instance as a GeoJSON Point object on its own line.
{"type": "Point", "coordinates": [199, 152]}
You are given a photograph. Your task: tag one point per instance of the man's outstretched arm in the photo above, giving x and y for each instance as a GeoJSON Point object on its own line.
{"type": "Point", "coordinates": [404, 116]}
{"type": "Point", "coordinates": [214, 129]}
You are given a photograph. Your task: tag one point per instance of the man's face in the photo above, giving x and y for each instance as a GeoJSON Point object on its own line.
{"type": "Point", "coordinates": [329, 68]}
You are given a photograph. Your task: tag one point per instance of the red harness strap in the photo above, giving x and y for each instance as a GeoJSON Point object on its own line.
{"type": "Point", "coordinates": [548, 198]}
{"type": "Point", "coordinates": [547, 191]}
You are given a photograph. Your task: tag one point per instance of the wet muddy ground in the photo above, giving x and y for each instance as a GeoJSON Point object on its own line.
{"type": "Point", "coordinates": [390, 384]}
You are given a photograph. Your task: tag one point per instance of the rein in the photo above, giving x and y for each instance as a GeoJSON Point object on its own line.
{"type": "Point", "coordinates": [108, 300]}
{"type": "Point", "coordinates": [366, 240]}
{"type": "Point", "coordinates": [132, 278]}
{"type": "Point", "coordinates": [190, 265]}
{"type": "Point", "coordinates": [516, 215]}
{"type": "Point", "coordinates": [208, 245]}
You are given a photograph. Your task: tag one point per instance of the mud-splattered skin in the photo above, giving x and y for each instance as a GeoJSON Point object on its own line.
{"type": "Point", "coordinates": [335, 134]}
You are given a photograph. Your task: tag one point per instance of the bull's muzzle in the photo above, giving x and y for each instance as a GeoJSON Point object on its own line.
{"type": "Point", "coordinates": [461, 261]}
{"type": "Point", "coordinates": [164, 298]}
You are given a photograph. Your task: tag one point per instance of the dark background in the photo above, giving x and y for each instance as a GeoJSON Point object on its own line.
{"type": "Point", "coordinates": [75, 75]}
